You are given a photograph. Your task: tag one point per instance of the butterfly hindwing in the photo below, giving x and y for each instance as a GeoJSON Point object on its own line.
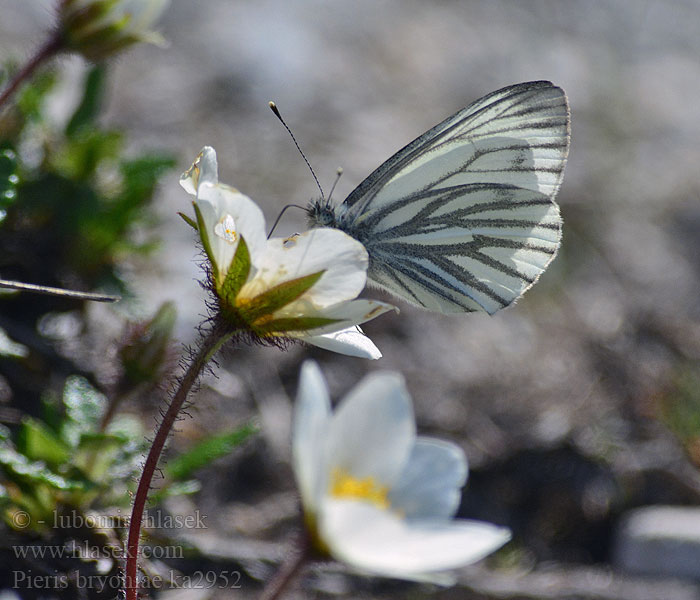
{"type": "Point", "coordinates": [463, 217]}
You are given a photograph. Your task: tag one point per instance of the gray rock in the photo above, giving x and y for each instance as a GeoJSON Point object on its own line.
{"type": "Point", "coordinates": [660, 540]}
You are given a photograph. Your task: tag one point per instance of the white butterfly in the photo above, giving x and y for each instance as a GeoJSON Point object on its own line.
{"type": "Point", "coordinates": [463, 218]}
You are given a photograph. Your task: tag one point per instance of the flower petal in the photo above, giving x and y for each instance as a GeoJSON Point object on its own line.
{"type": "Point", "coordinates": [217, 203]}
{"type": "Point", "coordinates": [311, 415]}
{"type": "Point", "coordinates": [373, 429]}
{"type": "Point", "coordinates": [351, 342]}
{"type": "Point", "coordinates": [342, 259]}
{"type": "Point", "coordinates": [430, 484]}
{"type": "Point", "coordinates": [204, 169]}
{"type": "Point", "coordinates": [344, 314]}
{"type": "Point", "coordinates": [378, 541]}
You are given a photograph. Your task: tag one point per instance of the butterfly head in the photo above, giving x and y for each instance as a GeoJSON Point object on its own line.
{"type": "Point", "coordinates": [320, 213]}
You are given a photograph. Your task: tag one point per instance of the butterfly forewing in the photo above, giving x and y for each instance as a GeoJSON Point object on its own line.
{"type": "Point", "coordinates": [463, 218]}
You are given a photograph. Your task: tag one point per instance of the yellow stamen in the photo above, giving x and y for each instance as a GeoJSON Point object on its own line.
{"type": "Point", "coordinates": [344, 485]}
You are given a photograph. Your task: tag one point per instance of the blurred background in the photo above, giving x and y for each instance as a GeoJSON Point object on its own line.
{"type": "Point", "coordinates": [576, 407]}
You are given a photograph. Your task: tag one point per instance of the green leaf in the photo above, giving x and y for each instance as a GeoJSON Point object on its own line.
{"type": "Point", "coordinates": [127, 426]}
{"type": "Point", "coordinates": [30, 98]}
{"type": "Point", "coordinates": [83, 154]}
{"type": "Point", "coordinates": [38, 442]}
{"type": "Point", "coordinates": [277, 297]}
{"type": "Point", "coordinates": [177, 488]}
{"type": "Point", "coordinates": [96, 453]}
{"type": "Point", "coordinates": [52, 413]}
{"type": "Point", "coordinates": [139, 180]}
{"type": "Point", "coordinates": [84, 408]}
{"type": "Point", "coordinates": [208, 450]}
{"type": "Point", "coordinates": [237, 273]}
{"type": "Point", "coordinates": [91, 103]}
{"type": "Point", "coordinates": [19, 468]}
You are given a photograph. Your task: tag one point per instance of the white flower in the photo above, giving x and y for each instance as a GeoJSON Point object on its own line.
{"type": "Point", "coordinates": [100, 28]}
{"type": "Point", "coordinates": [374, 495]}
{"type": "Point", "coordinates": [300, 287]}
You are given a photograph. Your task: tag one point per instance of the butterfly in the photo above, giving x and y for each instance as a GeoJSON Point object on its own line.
{"type": "Point", "coordinates": [463, 218]}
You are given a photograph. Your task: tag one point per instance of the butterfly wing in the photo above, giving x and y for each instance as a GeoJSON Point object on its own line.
{"type": "Point", "coordinates": [463, 218]}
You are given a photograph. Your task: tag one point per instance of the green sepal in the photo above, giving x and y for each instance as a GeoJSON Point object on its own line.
{"type": "Point", "coordinates": [204, 236]}
{"type": "Point", "coordinates": [103, 43]}
{"type": "Point", "coordinates": [191, 222]}
{"type": "Point", "coordinates": [294, 324]}
{"type": "Point", "coordinates": [97, 31]}
{"type": "Point", "coordinates": [278, 297]}
{"type": "Point", "coordinates": [80, 18]}
{"type": "Point", "coordinates": [237, 274]}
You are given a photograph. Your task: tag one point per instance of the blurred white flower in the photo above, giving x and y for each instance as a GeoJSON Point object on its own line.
{"type": "Point", "coordinates": [301, 287]}
{"type": "Point", "coordinates": [374, 495]}
{"type": "Point", "coordinates": [98, 29]}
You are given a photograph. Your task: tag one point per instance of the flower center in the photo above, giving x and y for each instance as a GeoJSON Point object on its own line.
{"type": "Point", "coordinates": [344, 485]}
{"type": "Point", "coordinates": [226, 229]}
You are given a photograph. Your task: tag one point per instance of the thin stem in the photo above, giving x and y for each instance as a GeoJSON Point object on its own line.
{"type": "Point", "coordinates": [114, 403]}
{"type": "Point", "coordinates": [289, 570]}
{"type": "Point", "coordinates": [52, 46]}
{"type": "Point", "coordinates": [209, 347]}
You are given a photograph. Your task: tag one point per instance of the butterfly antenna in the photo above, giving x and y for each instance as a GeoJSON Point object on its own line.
{"type": "Point", "coordinates": [338, 173]}
{"type": "Point", "coordinates": [279, 216]}
{"type": "Point", "coordinates": [274, 109]}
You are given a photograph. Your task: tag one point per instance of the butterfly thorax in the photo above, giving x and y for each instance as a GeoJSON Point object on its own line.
{"type": "Point", "coordinates": [320, 213]}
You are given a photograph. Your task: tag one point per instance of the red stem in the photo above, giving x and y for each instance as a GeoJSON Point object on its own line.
{"type": "Point", "coordinates": [289, 570]}
{"type": "Point", "coordinates": [210, 345]}
{"type": "Point", "coordinates": [53, 45]}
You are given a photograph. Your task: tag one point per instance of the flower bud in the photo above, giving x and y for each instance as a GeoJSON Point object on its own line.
{"type": "Point", "coordinates": [147, 351]}
{"type": "Point", "coordinates": [98, 29]}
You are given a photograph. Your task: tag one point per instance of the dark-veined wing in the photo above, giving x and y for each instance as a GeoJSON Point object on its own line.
{"type": "Point", "coordinates": [463, 217]}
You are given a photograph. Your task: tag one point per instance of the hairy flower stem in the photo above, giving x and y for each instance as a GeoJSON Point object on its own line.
{"type": "Point", "coordinates": [208, 348]}
{"type": "Point", "coordinates": [290, 569]}
{"type": "Point", "coordinates": [52, 47]}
